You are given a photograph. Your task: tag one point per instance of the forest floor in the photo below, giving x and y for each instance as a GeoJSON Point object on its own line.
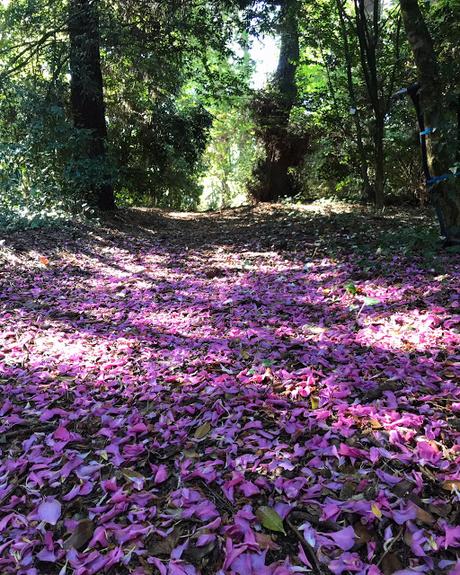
{"type": "Point", "coordinates": [261, 391]}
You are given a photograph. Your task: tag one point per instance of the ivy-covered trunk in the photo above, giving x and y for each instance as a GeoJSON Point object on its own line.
{"type": "Point", "coordinates": [272, 110]}
{"type": "Point", "coordinates": [87, 95]}
{"type": "Point", "coordinates": [440, 123]}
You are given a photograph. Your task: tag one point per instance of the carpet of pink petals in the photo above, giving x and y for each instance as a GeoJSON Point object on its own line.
{"type": "Point", "coordinates": [227, 409]}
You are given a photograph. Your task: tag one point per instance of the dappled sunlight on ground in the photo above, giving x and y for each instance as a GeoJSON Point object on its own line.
{"type": "Point", "coordinates": [159, 391]}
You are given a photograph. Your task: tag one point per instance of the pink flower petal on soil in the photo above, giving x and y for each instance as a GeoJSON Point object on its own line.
{"type": "Point", "coordinates": [49, 511]}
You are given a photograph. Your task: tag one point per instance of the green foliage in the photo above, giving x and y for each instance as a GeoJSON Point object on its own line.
{"type": "Point", "coordinates": [42, 178]}
{"type": "Point", "coordinates": [159, 153]}
{"type": "Point", "coordinates": [180, 131]}
{"type": "Point", "coordinates": [230, 157]}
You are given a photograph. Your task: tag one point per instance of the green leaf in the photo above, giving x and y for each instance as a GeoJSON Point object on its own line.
{"type": "Point", "coordinates": [371, 301]}
{"type": "Point", "coordinates": [270, 519]}
{"type": "Point", "coordinates": [351, 288]}
{"type": "Point", "coordinates": [203, 430]}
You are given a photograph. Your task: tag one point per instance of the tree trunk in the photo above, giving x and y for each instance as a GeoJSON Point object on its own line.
{"type": "Point", "coordinates": [282, 150]}
{"type": "Point", "coordinates": [368, 193]}
{"type": "Point", "coordinates": [367, 18]}
{"type": "Point", "coordinates": [379, 162]}
{"type": "Point", "coordinates": [86, 91]}
{"type": "Point", "coordinates": [445, 193]}
{"type": "Point", "coordinates": [289, 55]}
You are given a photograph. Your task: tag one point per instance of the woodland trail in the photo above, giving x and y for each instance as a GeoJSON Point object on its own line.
{"type": "Point", "coordinates": [258, 391]}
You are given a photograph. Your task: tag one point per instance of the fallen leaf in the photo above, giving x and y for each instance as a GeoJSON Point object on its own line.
{"type": "Point", "coordinates": [351, 288]}
{"type": "Point", "coordinates": [166, 545]}
{"type": "Point", "coordinates": [423, 516]}
{"type": "Point", "coordinates": [370, 301]}
{"type": "Point", "coordinates": [136, 478]}
{"type": "Point", "coordinates": [195, 554]}
{"type": "Point", "coordinates": [362, 532]}
{"type": "Point", "coordinates": [203, 430]}
{"type": "Point", "coordinates": [80, 536]}
{"type": "Point", "coordinates": [265, 541]}
{"type": "Point", "coordinates": [451, 485]}
{"type": "Point", "coordinates": [391, 564]}
{"type": "Point", "coordinates": [375, 423]}
{"type": "Point", "coordinates": [376, 511]}
{"type": "Point", "coordinates": [270, 519]}
{"type": "Point", "coordinates": [314, 401]}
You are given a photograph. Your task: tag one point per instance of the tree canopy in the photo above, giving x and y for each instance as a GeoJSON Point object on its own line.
{"type": "Point", "coordinates": [153, 103]}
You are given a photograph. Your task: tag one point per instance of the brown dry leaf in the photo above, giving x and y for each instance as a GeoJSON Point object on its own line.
{"type": "Point", "coordinates": [44, 260]}
{"type": "Point", "coordinates": [442, 510]}
{"type": "Point", "coordinates": [80, 536]}
{"type": "Point", "coordinates": [403, 488]}
{"type": "Point", "coordinates": [451, 485]}
{"type": "Point", "coordinates": [391, 564]}
{"type": "Point", "coordinates": [375, 423]}
{"type": "Point", "coordinates": [131, 474]}
{"type": "Point", "coordinates": [265, 541]}
{"type": "Point", "coordinates": [190, 453]}
{"type": "Point", "coordinates": [423, 516]}
{"type": "Point", "coordinates": [362, 532]}
{"type": "Point", "coordinates": [407, 537]}
{"type": "Point", "coordinates": [203, 430]}
{"type": "Point", "coordinates": [195, 554]}
{"type": "Point", "coordinates": [165, 546]}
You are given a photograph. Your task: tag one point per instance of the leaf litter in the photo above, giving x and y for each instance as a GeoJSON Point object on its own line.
{"type": "Point", "coordinates": [234, 393]}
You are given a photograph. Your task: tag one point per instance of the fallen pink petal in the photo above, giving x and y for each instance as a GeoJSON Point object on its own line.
{"type": "Point", "coordinates": [49, 511]}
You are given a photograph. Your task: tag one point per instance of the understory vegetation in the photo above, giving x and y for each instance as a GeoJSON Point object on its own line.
{"type": "Point", "coordinates": [163, 105]}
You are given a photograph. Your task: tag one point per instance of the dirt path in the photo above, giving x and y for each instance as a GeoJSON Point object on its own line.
{"type": "Point", "coordinates": [266, 391]}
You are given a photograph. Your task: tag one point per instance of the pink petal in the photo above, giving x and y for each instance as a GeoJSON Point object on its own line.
{"type": "Point", "coordinates": [49, 511]}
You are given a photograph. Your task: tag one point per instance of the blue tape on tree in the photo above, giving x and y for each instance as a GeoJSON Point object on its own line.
{"type": "Point", "coordinates": [436, 179]}
{"type": "Point", "coordinates": [427, 131]}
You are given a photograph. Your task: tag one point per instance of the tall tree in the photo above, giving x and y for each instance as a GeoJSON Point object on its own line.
{"type": "Point", "coordinates": [364, 168]}
{"type": "Point", "coordinates": [87, 93]}
{"type": "Point", "coordinates": [440, 122]}
{"type": "Point", "coordinates": [367, 17]}
{"type": "Point", "coordinates": [273, 110]}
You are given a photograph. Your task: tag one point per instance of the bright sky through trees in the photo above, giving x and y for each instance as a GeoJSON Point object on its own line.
{"type": "Point", "coordinates": [264, 52]}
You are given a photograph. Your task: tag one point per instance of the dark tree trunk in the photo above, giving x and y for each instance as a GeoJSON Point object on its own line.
{"type": "Point", "coordinates": [86, 90]}
{"type": "Point", "coordinates": [363, 164]}
{"type": "Point", "coordinates": [457, 156]}
{"type": "Point", "coordinates": [367, 17]}
{"type": "Point", "coordinates": [445, 193]}
{"type": "Point", "coordinates": [282, 150]}
{"type": "Point", "coordinates": [379, 160]}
